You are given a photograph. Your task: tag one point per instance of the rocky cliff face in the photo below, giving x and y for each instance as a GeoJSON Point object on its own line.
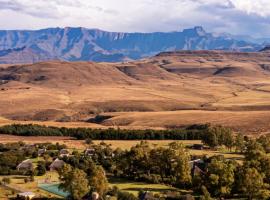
{"type": "Point", "coordinates": [81, 44]}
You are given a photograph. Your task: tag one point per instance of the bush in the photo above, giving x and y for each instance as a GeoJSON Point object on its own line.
{"type": "Point", "coordinates": [41, 168]}
{"type": "Point", "coordinates": [35, 154]}
{"type": "Point", "coordinates": [26, 180]}
{"type": "Point", "coordinates": [126, 196]}
{"type": "Point", "coordinates": [89, 141]}
{"type": "Point", "coordinates": [6, 180]}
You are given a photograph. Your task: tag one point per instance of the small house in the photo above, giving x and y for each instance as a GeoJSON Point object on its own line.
{"type": "Point", "coordinates": [89, 152]}
{"type": "Point", "coordinates": [26, 195]}
{"type": "Point", "coordinates": [64, 152]}
{"type": "Point", "coordinates": [192, 163]}
{"type": "Point", "coordinates": [25, 165]}
{"type": "Point", "coordinates": [41, 151]}
{"type": "Point", "coordinates": [147, 196]}
{"type": "Point", "coordinates": [198, 146]}
{"type": "Point", "coordinates": [56, 165]}
{"type": "Point", "coordinates": [91, 196]}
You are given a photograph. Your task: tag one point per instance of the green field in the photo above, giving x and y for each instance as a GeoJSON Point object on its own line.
{"type": "Point", "coordinates": [135, 187]}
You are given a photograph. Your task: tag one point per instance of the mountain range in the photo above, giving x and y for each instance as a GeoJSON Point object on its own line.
{"type": "Point", "coordinates": [81, 44]}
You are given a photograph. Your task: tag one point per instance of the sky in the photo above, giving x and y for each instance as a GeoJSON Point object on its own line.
{"type": "Point", "coordinates": [239, 17]}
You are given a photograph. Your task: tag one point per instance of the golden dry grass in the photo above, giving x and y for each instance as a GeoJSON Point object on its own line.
{"type": "Point", "coordinates": [123, 144]}
{"type": "Point", "coordinates": [80, 144]}
{"type": "Point", "coordinates": [166, 90]}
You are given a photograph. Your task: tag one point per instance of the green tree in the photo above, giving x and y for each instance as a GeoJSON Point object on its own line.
{"type": "Point", "coordinates": [182, 170]}
{"type": "Point", "coordinates": [253, 150]}
{"type": "Point", "coordinates": [98, 180]}
{"type": "Point", "coordinates": [6, 180]}
{"type": "Point", "coordinates": [220, 178]}
{"type": "Point", "coordinates": [239, 143]}
{"type": "Point", "coordinates": [74, 181]}
{"type": "Point", "coordinates": [228, 139]}
{"type": "Point", "coordinates": [206, 194]}
{"type": "Point", "coordinates": [210, 137]}
{"type": "Point", "coordinates": [265, 142]}
{"type": "Point", "coordinates": [250, 182]}
{"type": "Point", "coordinates": [41, 168]}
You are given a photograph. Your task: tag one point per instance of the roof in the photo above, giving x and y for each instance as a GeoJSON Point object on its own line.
{"type": "Point", "coordinates": [57, 163]}
{"type": "Point", "coordinates": [64, 151]}
{"type": "Point", "coordinates": [25, 164]}
{"type": "Point", "coordinates": [27, 194]}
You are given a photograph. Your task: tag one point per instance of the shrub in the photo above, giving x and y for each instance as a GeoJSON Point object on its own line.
{"type": "Point", "coordinates": [6, 180]}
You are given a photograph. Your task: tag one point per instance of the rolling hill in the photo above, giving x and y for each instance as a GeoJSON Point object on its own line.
{"type": "Point", "coordinates": [168, 90]}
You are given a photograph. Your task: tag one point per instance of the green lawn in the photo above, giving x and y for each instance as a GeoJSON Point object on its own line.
{"type": "Point", "coordinates": [135, 187]}
{"type": "Point", "coordinates": [17, 182]}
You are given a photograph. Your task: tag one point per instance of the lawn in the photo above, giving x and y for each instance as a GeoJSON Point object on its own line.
{"type": "Point", "coordinates": [135, 187]}
{"type": "Point", "coordinates": [5, 193]}
{"type": "Point", "coordinates": [127, 144]}
{"type": "Point", "coordinates": [17, 182]}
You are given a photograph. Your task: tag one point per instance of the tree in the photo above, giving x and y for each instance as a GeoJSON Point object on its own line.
{"type": "Point", "coordinates": [253, 150]}
{"type": "Point", "coordinates": [89, 141]}
{"type": "Point", "coordinates": [126, 196]}
{"type": "Point", "coordinates": [250, 182]}
{"type": "Point", "coordinates": [228, 139]}
{"type": "Point", "coordinates": [74, 181]}
{"type": "Point", "coordinates": [265, 142]}
{"type": "Point", "coordinates": [214, 136]}
{"type": "Point", "coordinates": [98, 180]}
{"type": "Point", "coordinates": [210, 137]}
{"type": "Point", "coordinates": [182, 168]}
{"type": "Point", "coordinates": [220, 177]}
{"type": "Point", "coordinates": [41, 168]}
{"type": "Point", "coordinates": [6, 180]}
{"type": "Point", "coordinates": [239, 143]}
{"type": "Point", "coordinates": [206, 194]}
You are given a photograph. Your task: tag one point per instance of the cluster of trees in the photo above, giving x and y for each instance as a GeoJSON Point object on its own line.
{"type": "Point", "coordinates": [84, 174]}
{"type": "Point", "coordinates": [227, 178]}
{"type": "Point", "coordinates": [155, 165]}
{"type": "Point", "coordinates": [188, 133]}
{"type": "Point", "coordinates": [81, 175]}
{"type": "Point", "coordinates": [217, 135]}
{"type": "Point", "coordinates": [218, 177]}
{"type": "Point", "coordinates": [10, 157]}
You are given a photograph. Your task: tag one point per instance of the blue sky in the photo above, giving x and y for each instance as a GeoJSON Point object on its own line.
{"type": "Point", "coordinates": [242, 17]}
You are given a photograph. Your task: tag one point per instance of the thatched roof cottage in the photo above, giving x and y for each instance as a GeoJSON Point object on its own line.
{"type": "Point", "coordinates": [25, 165]}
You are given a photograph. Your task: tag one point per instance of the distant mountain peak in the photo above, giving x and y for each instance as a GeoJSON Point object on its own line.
{"type": "Point", "coordinates": [82, 44]}
{"type": "Point", "coordinates": [200, 30]}
{"type": "Point", "coordinates": [265, 49]}
{"type": "Point", "coordinates": [196, 31]}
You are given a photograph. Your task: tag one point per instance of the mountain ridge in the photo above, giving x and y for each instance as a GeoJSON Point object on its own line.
{"type": "Point", "coordinates": [82, 44]}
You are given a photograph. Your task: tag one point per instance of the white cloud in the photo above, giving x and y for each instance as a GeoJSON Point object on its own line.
{"type": "Point", "coordinates": [234, 16]}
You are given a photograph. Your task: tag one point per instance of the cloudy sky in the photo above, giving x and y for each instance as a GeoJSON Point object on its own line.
{"type": "Point", "coordinates": [243, 17]}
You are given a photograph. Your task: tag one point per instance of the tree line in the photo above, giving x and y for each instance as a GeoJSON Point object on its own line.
{"type": "Point", "coordinates": [188, 133]}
